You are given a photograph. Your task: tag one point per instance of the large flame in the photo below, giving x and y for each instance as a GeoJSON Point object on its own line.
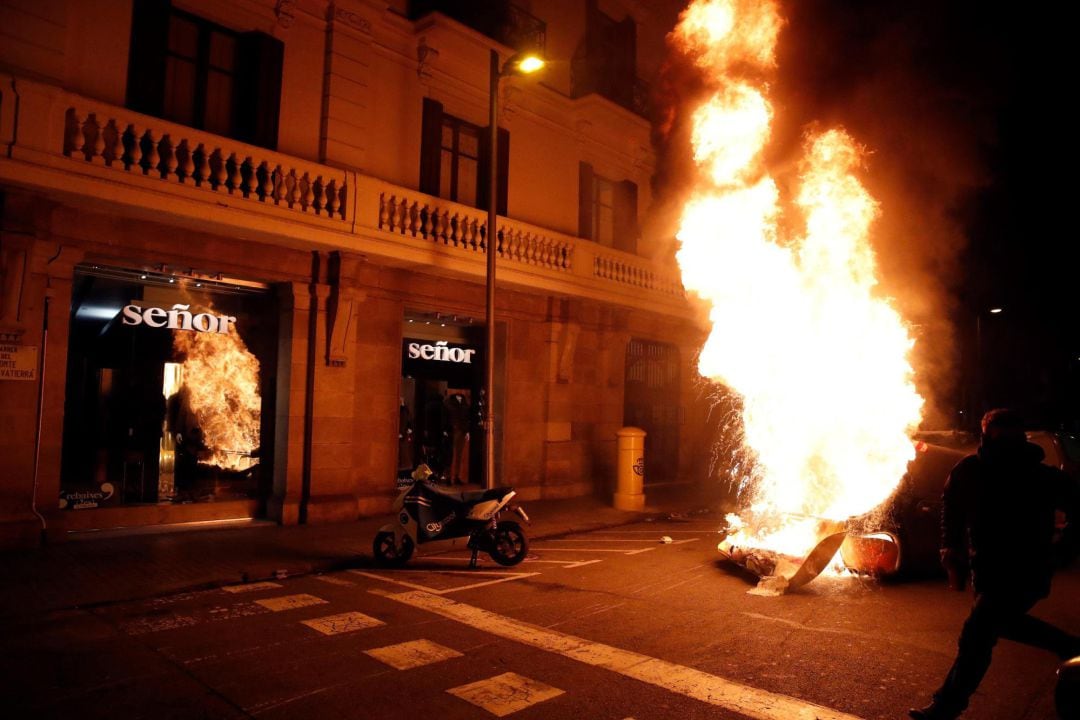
{"type": "Point", "coordinates": [818, 357]}
{"type": "Point", "coordinates": [221, 388]}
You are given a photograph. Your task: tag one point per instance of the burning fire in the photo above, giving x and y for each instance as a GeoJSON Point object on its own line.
{"type": "Point", "coordinates": [819, 359]}
{"type": "Point", "coordinates": [221, 389]}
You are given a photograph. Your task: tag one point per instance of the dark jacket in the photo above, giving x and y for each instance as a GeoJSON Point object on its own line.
{"type": "Point", "coordinates": [999, 509]}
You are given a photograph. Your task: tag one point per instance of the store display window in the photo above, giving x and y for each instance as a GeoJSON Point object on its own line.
{"type": "Point", "coordinates": [169, 395]}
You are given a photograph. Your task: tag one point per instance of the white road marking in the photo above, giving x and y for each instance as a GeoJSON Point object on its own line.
{"type": "Point", "coordinates": [642, 550]}
{"type": "Point", "coordinates": [415, 653]}
{"type": "Point", "coordinates": [343, 623]}
{"type": "Point", "coordinates": [505, 694]}
{"type": "Point", "coordinates": [592, 550]}
{"type": "Point", "coordinates": [330, 579]}
{"type": "Point", "coordinates": [623, 540]}
{"type": "Point", "coordinates": [566, 563]}
{"type": "Point", "coordinates": [251, 587]}
{"type": "Point", "coordinates": [290, 602]}
{"type": "Point", "coordinates": [661, 531]}
{"type": "Point", "coordinates": [749, 701]}
{"type": "Point", "coordinates": [509, 577]}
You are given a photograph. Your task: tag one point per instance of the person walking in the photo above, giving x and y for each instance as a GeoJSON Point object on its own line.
{"type": "Point", "coordinates": [1000, 509]}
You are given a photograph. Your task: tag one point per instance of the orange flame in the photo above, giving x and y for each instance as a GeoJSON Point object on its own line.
{"type": "Point", "coordinates": [819, 360]}
{"type": "Point", "coordinates": [221, 382]}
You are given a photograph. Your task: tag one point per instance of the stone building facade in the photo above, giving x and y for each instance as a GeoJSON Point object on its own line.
{"type": "Point", "coordinates": [243, 258]}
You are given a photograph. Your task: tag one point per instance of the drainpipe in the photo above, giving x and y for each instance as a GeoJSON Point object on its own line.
{"type": "Point", "coordinates": [41, 395]}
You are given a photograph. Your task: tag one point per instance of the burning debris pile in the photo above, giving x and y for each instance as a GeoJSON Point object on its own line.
{"type": "Point", "coordinates": [818, 358]}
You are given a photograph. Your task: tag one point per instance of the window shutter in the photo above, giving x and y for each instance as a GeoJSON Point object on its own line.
{"type": "Point", "coordinates": [502, 171]}
{"type": "Point", "coordinates": [585, 200]}
{"type": "Point", "coordinates": [430, 146]}
{"type": "Point", "coordinates": [146, 57]}
{"type": "Point", "coordinates": [626, 224]}
{"type": "Point", "coordinates": [259, 63]}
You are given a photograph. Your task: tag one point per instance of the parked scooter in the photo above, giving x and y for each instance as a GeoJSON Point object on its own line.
{"type": "Point", "coordinates": [429, 513]}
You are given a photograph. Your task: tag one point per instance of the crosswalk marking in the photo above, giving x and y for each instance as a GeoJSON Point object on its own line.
{"type": "Point", "coordinates": [690, 682]}
{"type": "Point", "coordinates": [505, 694]}
{"type": "Point", "coordinates": [331, 580]}
{"type": "Point", "coordinates": [342, 623]}
{"type": "Point", "coordinates": [290, 602]}
{"type": "Point", "coordinates": [408, 655]}
{"type": "Point", "coordinates": [251, 587]}
{"type": "Point", "coordinates": [501, 577]}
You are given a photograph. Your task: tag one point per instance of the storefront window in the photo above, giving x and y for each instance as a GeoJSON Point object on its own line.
{"type": "Point", "coordinates": [439, 424]}
{"type": "Point", "coordinates": [169, 390]}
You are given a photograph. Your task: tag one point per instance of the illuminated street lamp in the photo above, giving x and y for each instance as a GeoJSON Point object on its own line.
{"type": "Point", "coordinates": [519, 64]}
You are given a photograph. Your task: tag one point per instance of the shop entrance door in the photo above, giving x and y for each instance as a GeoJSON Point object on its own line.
{"type": "Point", "coordinates": [440, 411]}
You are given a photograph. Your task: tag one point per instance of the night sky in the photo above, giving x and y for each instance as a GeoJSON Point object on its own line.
{"type": "Point", "coordinates": [971, 153]}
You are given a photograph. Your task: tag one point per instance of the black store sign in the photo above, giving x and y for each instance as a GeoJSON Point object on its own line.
{"type": "Point", "coordinates": [440, 359]}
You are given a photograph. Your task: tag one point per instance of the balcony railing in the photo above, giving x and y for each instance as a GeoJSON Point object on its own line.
{"type": "Point", "coordinates": [59, 142]}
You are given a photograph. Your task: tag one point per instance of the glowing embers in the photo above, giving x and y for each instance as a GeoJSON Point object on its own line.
{"type": "Point", "coordinates": [818, 359]}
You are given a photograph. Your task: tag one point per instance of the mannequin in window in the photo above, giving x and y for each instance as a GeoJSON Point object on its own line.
{"type": "Point", "coordinates": [457, 410]}
{"type": "Point", "coordinates": [436, 435]}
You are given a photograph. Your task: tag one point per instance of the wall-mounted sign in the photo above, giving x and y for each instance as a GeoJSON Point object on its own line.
{"type": "Point", "coordinates": [83, 499]}
{"type": "Point", "coordinates": [18, 362]}
{"type": "Point", "coordinates": [441, 351]}
{"type": "Point", "coordinates": [179, 317]}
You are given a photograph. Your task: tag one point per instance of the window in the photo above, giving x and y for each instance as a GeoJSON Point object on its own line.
{"type": "Point", "coordinates": [459, 161]}
{"type": "Point", "coordinates": [191, 71]}
{"type": "Point", "coordinates": [603, 226]}
{"type": "Point", "coordinates": [605, 61]}
{"type": "Point", "coordinates": [200, 68]}
{"type": "Point", "coordinates": [607, 212]}
{"type": "Point", "coordinates": [454, 160]}
{"type": "Point", "coordinates": [150, 417]}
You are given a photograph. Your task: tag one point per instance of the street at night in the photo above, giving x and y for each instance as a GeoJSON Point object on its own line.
{"type": "Point", "coordinates": [543, 359]}
{"type": "Point", "coordinates": [606, 624]}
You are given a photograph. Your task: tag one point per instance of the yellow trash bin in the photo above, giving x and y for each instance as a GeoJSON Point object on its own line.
{"type": "Point", "coordinates": [631, 469]}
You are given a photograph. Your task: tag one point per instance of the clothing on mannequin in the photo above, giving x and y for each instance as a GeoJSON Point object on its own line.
{"type": "Point", "coordinates": [457, 410]}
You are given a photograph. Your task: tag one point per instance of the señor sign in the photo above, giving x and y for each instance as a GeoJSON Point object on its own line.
{"type": "Point", "coordinates": [178, 318]}
{"type": "Point", "coordinates": [441, 351]}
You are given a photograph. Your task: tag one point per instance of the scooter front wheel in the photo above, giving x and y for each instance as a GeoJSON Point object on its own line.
{"type": "Point", "coordinates": [388, 553]}
{"type": "Point", "coordinates": [509, 546]}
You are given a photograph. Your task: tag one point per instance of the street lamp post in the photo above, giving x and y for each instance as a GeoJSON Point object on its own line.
{"type": "Point", "coordinates": [980, 380]}
{"type": "Point", "coordinates": [518, 64]}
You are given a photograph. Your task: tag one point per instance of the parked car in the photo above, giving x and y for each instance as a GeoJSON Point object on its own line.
{"type": "Point", "coordinates": [904, 534]}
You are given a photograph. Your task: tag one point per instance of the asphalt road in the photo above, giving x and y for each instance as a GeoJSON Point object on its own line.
{"type": "Point", "coordinates": [610, 624]}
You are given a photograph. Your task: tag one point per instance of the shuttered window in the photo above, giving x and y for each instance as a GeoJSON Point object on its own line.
{"type": "Point", "coordinates": [194, 72]}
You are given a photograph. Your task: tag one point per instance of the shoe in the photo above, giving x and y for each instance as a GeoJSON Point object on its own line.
{"type": "Point", "coordinates": [933, 711]}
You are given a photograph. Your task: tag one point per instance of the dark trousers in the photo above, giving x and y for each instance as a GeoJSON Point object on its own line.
{"type": "Point", "coordinates": [994, 615]}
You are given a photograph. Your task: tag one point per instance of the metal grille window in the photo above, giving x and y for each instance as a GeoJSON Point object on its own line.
{"type": "Point", "coordinates": [651, 402]}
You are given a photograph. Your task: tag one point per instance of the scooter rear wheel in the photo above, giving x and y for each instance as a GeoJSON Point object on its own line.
{"type": "Point", "coordinates": [509, 546]}
{"type": "Point", "coordinates": [387, 552]}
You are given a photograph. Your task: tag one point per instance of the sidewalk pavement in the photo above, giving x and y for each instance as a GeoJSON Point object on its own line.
{"type": "Point", "coordinates": [100, 570]}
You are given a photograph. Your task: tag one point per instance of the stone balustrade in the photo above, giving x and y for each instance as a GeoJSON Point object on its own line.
{"type": "Point", "coordinates": [134, 143]}
{"type": "Point", "coordinates": [463, 228]}
{"type": "Point", "coordinates": [78, 145]}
